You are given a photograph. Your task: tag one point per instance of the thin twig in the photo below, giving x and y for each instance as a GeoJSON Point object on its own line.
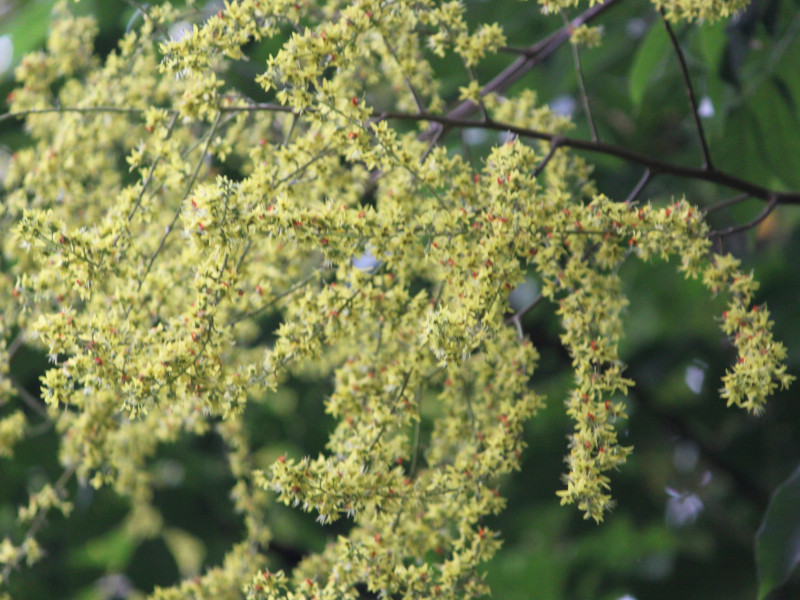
{"type": "Point", "coordinates": [148, 178]}
{"type": "Point", "coordinates": [467, 152]}
{"type": "Point", "coordinates": [417, 99]}
{"type": "Point", "coordinates": [38, 521]}
{"type": "Point", "coordinates": [554, 145]}
{"type": "Point", "coordinates": [514, 50]}
{"type": "Point", "coordinates": [516, 318]}
{"type": "Point", "coordinates": [29, 399]}
{"type": "Point", "coordinates": [749, 225]}
{"type": "Point", "coordinates": [142, 8]}
{"type": "Point", "coordinates": [529, 58]}
{"type": "Point", "coordinates": [398, 397]}
{"type": "Point", "coordinates": [576, 60]}
{"type": "Point", "coordinates": [177, 214]}
{"type": "Point", "coordinates": [434, 140]}
{"type": "Point", "coordinates": [468, 404]}
{"type": "Point", "coordinates": [15, 345]}
{"type": "Point", "coordinates": [274, 299]}
{"type": "Point", "coordinates": [415, 450]}
{"type": "Point", "coordinates": [726, 203]}
{"type": "Point", "coordinates": [687, 82]}
{"type": "Point", "coordinates": [243, 254]}
{"type": "Point", "coordinates": [645, 179]}
{"type": "Point", "coordinates": [289, 177]}
{"type": "Point", "coordinates": [70, 109]}
{"type": "Point", "coordinates": [290, 131]}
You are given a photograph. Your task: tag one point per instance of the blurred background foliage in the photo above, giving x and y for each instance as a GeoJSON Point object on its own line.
{"type": "Point", "coordinates": [691, 498]}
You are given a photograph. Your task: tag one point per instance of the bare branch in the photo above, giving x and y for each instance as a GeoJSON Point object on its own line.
{"type": "Point", "coordinates": [646, 176]}
{"type": "Point", "coordinates": [554, 145]}
{"type": "Point", "coordinates": [189, 186]}
{"type": "Point", "coordinates": [529, 58]}
{"type": "Point", "coordinates": [687, 82]}
{"type": "Point", "coordinates": [655, 165]}
{"type": "Point", "coordinates": [726, 203]}
{"type": "Point", "coordinates": [15, 344]}
{"type": "Point", "coordinates": [417, 98]}
{"type": "Point", "coordinates": [29, 399]}
{"type": "Point", "coordinates": [576, 60]}
{"type": "Point", "coordinates": [750, 224]}
{"type": "Point", "coordinates": [516, 318]}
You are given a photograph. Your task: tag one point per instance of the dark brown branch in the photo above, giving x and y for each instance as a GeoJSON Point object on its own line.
{"type": "Point", "coordinates": [530, 57]}
{"type": "Point", "coordinates": [687, 82]}
{"type": "Point", "coordinates": [437, 135]}
{"type": "Point", "coordinates": [726, 203]}
{"type": "Point", "coordinates": [749, 225]}
{"type": "Point", "coordinates": [514, 50]}
{"type": "Point", "coordinates": [655, 165]}
{"type": "Point", "coordinates": [554, 145]}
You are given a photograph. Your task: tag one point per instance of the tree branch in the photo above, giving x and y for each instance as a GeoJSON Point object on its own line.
{"type": "Point", "coordinates": [516, 318]}
{"type": "Point", "coordinates": [529, 58]}
{"type": "Point", "coordinates": [655, 165]}
{"type": "Point", "coordinates": [15, 345]}
{"type": "Point", "coordinates": [73, 109]}
{"type": "Point", "coordinates": [726, 203]}
{"type": "Point", "coordinates": [749, 225]}
{"type": "Point", "coordinates": [554, 145]}
{"type": "Point", "coordinates": [576, 60]}
{"type": "Point", "coordinates": [189, 186]}
{"type": "Point", "coordinates": [687, 82]}
{"type": "Point", "coordinates": [646, 176]}
{"type": "Point", "coordinates": [29, 399]}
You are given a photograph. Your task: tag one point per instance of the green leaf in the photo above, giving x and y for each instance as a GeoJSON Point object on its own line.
{"type": "Point", "coordinates": [776, 115]}
{"type": "Point", "coordinates": [786, 69]}
{"type": "Point", "coordinates": [739, 151]}
{"type": "Point", "coordinates": [778, 538]}
{"type": "Point", "coordinates": [712, 40]}
{"type": "Point", "coordinates": [649, 63]}
{"type": "Point", "coordinates": [27, 26]}
{"type": "Point", "coordinates": [187, 550]}
{"type": "Point", "coordinates": [110, 551]}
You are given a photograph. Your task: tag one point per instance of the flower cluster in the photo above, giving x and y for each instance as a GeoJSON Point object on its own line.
{"type": "Point", "coordinates": [144, 273]}
{"type": "Point", "coordinates": [676, 10]}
